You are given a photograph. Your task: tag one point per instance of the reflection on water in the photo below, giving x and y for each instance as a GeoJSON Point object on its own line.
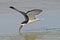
{"type": "Point", "coordinates": [21, 36]}
{"type": "Point", "coordinates": [50, 35]}
{"type": "Point", "coordinates": [30, 37]}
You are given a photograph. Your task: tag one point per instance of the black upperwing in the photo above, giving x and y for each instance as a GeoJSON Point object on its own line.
{"type": "Point", "coordinates": [35, 11]}
{"type": "Point", "coordinates": [23, 13]}
{"type": "Point", "coordinates": [16, 10]}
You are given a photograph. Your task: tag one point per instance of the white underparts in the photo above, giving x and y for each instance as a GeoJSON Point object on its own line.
{"type": "Point", "coordinates": [31, 21]}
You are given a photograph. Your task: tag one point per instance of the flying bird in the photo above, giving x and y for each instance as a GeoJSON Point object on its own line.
{"type": "Point", "coordinates": [30, 16]}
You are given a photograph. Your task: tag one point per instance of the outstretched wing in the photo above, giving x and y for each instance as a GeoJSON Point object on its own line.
{"type": "Point", "coordinates": [31, 14]}
{"type": "Point", "coordinates": [23, 13]}
{"type": "Point", "coordinates": [17, 10]}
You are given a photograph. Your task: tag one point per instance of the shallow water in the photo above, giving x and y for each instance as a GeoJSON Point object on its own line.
{"type": "Point", "coordinates": [50, 35]}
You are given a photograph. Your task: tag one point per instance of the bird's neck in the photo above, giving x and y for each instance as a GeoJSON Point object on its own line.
{"type": "Point", "coordinates": [23, 24]}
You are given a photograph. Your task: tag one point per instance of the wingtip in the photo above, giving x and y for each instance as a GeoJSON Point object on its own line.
{"type": "Point", "coordinates": [12, 7]}
{"type": "Point", "coordinates": [39, 10]}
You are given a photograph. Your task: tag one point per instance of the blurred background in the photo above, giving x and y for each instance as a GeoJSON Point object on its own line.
{"type": "Point", "coordinates": [10, 19]}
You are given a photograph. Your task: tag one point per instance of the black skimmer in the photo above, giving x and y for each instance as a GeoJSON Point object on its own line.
{"type": "Point", "coordinates": [29, 16]}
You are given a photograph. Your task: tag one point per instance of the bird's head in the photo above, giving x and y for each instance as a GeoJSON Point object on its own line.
{"type": "Point", "coordinates": [22, 24]}
{"type": "Point", "coordinates": [20, 27]}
